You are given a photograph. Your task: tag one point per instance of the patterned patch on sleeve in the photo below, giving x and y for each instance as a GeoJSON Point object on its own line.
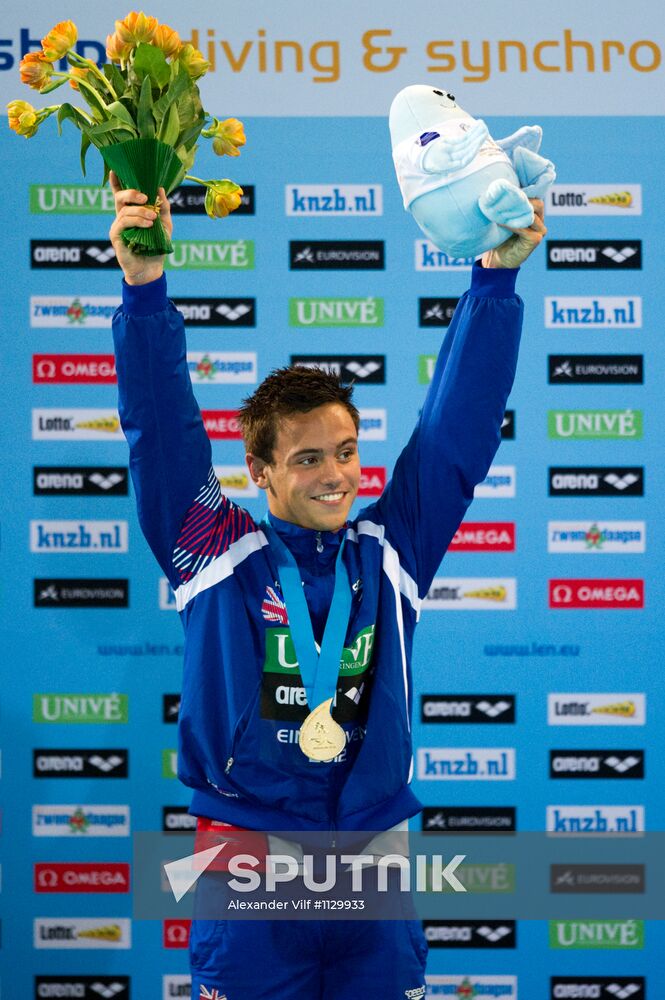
{"type": "Point", "coordinates": [428, 137]}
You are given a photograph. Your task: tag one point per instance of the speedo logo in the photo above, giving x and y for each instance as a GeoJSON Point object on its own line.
{"type": "Point", "coordinates": [217, 312]}
{"type": "Point", "coordinates": [596, 764]}
{"type": "Point", "coordinates": [72, 254]}
{"type": "Point", "coordinates": [595, 199]}
{"type": "Point", "coordinates": [467, 708]}
{"type": "Point", "coordinates": [597, 988]}
{"type": "Point", "coordinates": [594, 255]}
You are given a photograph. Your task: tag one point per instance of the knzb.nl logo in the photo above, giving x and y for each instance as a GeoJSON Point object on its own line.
{"type": "Point", "coordinates": [334, 199]}
{"type": "Point", "coordinates": [595, 819]}
{"type": "Point", "coordinates": [91, 537]}
{"type": "Point", "coordinates": [466, 763]}
{"type": "Point", "coordinates": [570, 312]}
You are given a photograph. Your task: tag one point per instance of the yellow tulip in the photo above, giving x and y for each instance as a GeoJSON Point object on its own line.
{"type": "Point", "coordinates": [193, 61]}
{"type": "Point", "coordinates": [222, 197]}
{"type": "Point", "coordinates": [136, 28]}
{"type": "Point", "coordinates": [81, 72]}
{"type": "Point", "coordinates": [167, 40]}
{"type": "Point", "coordinates": [35, 70]}
{"type": "Point", "coordinates": [117, 50]}
{"type": "Point", "coordinates": [227, 137]}
{"type": "Point", "coordinates": [59, 40]}
{"type": "Point", "coordinates": [22, 118]}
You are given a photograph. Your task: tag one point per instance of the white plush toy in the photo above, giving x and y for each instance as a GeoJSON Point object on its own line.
{"type": "Point", "coordinates": [459, 184]}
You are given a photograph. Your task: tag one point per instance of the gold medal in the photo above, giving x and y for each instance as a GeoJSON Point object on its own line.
{"type": "Point", "coordinates": [321, 738]}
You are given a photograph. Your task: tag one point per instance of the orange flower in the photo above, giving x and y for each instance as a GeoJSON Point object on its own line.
{"type": "Point", "coordinates": [22, 118]}
{"type": "Point", "coordinates": [59, 40]}
{"type": "Point", "coordinates": [227, 137]}
{"type": "Point", "coordinates": [167, 40]}
{"type": "Point", "coordinates": [81, 72]}
{"type": "Point", "coordinates": [35, 70]}
{"type": "Point", "coordinates": [136, 28]}
{"type": "Point", "coordinates": [222, 197]}
{"type": "Point", "coordinates": [193, 61]}
{"type": "Point", "coordinates": [117, 50]}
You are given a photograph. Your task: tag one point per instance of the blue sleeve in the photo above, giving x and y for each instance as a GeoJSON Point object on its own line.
{"type": "Point", "coordinates": [170, 455]}
{"type": "Point", "coordinates": [459, 428]}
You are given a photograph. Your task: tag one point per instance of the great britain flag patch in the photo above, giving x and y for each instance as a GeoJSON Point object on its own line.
{"type": "Point", "coordinates": [273, 608]}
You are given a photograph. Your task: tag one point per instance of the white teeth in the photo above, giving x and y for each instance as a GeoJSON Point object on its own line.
{"type": "Point", "coordinates": [330, 496]}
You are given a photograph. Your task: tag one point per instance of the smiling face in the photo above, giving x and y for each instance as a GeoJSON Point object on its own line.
{"type": "Point", "coordinates": [314, 474]}
{"type": "Point", "coordinates": [418, 108]}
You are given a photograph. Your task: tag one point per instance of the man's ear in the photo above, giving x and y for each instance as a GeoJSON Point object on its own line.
{"type": "Point", "coordinates": [258, 470]}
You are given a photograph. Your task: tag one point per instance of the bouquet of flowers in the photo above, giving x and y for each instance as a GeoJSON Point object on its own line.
{"type": "Point", "coordinates": [144, 113]}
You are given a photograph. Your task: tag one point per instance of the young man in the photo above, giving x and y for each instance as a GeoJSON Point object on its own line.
{"type": "Point", "coordinates": [270, 738]}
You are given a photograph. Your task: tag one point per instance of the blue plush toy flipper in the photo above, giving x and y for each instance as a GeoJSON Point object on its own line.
{"type": "Point", "coordinates": [444, 156]}
{"type": "Point", "coordinates": [535, 173]}
{"type": "Point", "coordinates": [528, 137]}
{"type": "Point", "coordinates": [506, 205]}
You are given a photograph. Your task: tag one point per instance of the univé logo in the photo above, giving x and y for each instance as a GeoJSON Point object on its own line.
{"type": "Point", "coordinates": [206, 255]}
{"type": "Point", "coordinates": [596, 594]}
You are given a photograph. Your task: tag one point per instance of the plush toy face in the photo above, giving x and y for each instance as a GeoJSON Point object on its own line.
{"type": "Point", "coordinates": [419, 108]}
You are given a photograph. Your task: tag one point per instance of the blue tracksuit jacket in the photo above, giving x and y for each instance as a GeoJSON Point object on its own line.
{"type": "Point", "coordinates": [242, 696]}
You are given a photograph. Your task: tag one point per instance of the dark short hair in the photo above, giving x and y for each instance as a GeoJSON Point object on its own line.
{"type": "Point", "coordinates": [294, 389]}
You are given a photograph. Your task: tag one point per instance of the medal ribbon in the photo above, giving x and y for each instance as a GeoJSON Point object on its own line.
{"type": "Point", "coordinates": [319, 673]}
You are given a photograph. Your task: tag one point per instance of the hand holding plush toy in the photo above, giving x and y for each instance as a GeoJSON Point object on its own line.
{"type": "Point", "coordinates": [460, 185]}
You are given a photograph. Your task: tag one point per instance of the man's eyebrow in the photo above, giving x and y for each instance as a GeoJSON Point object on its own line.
{"type": "Point", "coordinates": [318, 451]}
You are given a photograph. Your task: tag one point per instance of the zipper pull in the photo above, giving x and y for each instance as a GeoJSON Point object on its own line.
{"type": "Point", "coordinates": [319, 543]}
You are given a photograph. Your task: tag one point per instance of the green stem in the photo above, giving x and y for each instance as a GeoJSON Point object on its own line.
{"type": "Point", "coordinates": [94, 68]}
{"type": "Point", "coordinates": [188, 177]}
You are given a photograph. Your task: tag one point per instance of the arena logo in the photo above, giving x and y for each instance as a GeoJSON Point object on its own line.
{"type": "Point", "coordinates": [170, 707]}
{"type": "Point", "coordinates": [368, 369]}
{"type": "Point", "coordinates": [595, 199]}
{"type": "Point", "coordinates": [336, 312]}
{"type": "Point", "coordinates": [596, 369]}
{"type": "Point", "coordinates": [601, 480]}
{"type": "Point", "coordinates": [80, 820]}
{"type": "Point", "coordinates": [70, 199]}
{"type": "Point", "coordinates": [466, 763]}
{"type": "Point", "coordinates": [212, 367]}
{"type": "Point", "coordinates": [476, 708]}
{"type": "Point", "coordinates": [83, 876]}
{"type": "Point", "coordinates": [189, 199]}
{"type": "Point", "coordinates": [597, 988]}
{"type": "Point", "coordinates": [89, 537]}
{"type": "Point", "coordinates": [471, 594]}
{"type": "Point", "coordinates": [596, 255]}
{"type": "Point", "coordinates": [80, 592]}
{"type": "Point", "coordinates": [175, 933]}
{"type": "Point", "coordinates": [373, 425]}
{"type": "Point", "coordinates": [597, 536]}
{"type": "Point", "coordinates": [104, 763]}
{"type": "Point", "coordinates": [80, 480]}
{"type": "Point", "coordinates": [207, 255]}
{"type": "Point", "coordinates": [93, 708]}
{"type": "Point", "coordinates": [472, 987]}
{"type": "Point", "coordinates": [484, 536]}
{"type": "Point", "coordinates": [597, 313]}
{"type": "Point", "coordinates": [82, 987]}
{"type": "Point", "coordinates": [222, 424]}
{"type": "Point", "coordinates": [596, 594]}
{"type": "Point", "coordinates": [499, 483]}
{"type": "Point", "coordinates": [428, 257]}
{"type": "Point", "coordinates": [337, 255]}
{"type": "Point", "coordinates": [65, 312]}
{"type": "Point", "coordinates": [76, 424]}
{"type": "Point", "coordinates": [592, 709]}
{"type": "Point", "coordinates": [577, 819]}
{"type": "Point", "coordinates": [177, 988]}
{"type": "Point", "coordinates": [469, 819]}
{"type": "Point", "coordinates": [470, 933]}
{"type": "Point", "coordinates": [333, 200]}
{"type": "Point", "coordinates": [372, 481]}
{"type": "Point", "coordinates": [597, 764]}
{"type": "Point", "coordinates": [68, 254]}
{"type": "Point", "coordinates": [593, 934]}
{"type": "Point", "coordinates": [436, 312]}
{"type": "Point", "coordinates": [595, 425]}
{"type": "Point", "coordinates": [576, 878]}
{"type": "Point", "coordinates": [176, 819]}
{"type": "Point", "coordinates": [217, 312]}
{"type": "Point", "coordinates": [82, 932]}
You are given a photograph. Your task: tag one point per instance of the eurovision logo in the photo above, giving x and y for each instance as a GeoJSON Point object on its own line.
{"type": "Point", "coordinates": [587, 313]}
{"type": "Point", "coordinates": [217, 312]}
{"type": "Point", "coordinates": [469, 819]}
{"type": "Point", "coordinates": [471, 594]}
{"type": "Point", "coordinates": [333, 200]}
{"type": "Point", "coordinates": [80, 763]}
{"type": "Point", "coordinates": [467, 708]}
{"type": "Point", "coordinates": [82, 932]}
{"type": "Point", "coordinates": [189, 199]}
{"type": "Point", "coordinates": [80, 592]}
{"type": "Point", "coordinates": [436, 312]}
{"type": "Point", "coordinates": [596, 594]}
{"type": "Point", "coordinates": [337, 255]}
{"type": "Point", "coordinates": [466, 763]}
{"type": "Point", "coordinates": [596, 536]}
{"type": "Point", "coordinates": [595, 425]}
{"type": "Point", "coordinates": [76, 424]}
{"type": "Point", "coordinates": [594, 255]}
{"type": "Point", "coordinates": [585, 369]}
{"type": "Point", "coordinates": [80, 312]}
{"type": "Point", "coordinates": [80, 821]}
{"type": "Point", "coordinates": [597, 934]}
{"type": "Point", "coordinates": [591, 709]}
{"type": "Point", "coordinates": [368, 369]}
{"type": "Point", "coordinates": [66, 708]}
{"type": "Point", "coordinates": [208, 255]}
{"type": "Point", "coordinates": [597, 878]}
{"type": "Point", "coordinates": [594, 819]}
{"type": "Point", "coordinates": [600, 480]}
{"type": "Point", "coordinates": [80, 480]}
{"type": "Point", "coordinates": [82, 876]}
{"type": "Point", "coordinates": [594, 199]}
{"type": "Point", "coordinates": [596, 763]}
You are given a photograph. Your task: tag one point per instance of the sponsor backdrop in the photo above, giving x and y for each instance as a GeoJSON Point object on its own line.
{"type": "Point", "coordinates": [547, 671]}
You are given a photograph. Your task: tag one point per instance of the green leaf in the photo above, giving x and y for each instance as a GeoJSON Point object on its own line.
{"type": "Point", "coordinates": [189, 136]}
{"type": "Point", "coordinates": [174, 93]}
{"type": "Point", "coordinates": [121, 112]}
{"type": "Point", "coordinates": [144, 117]}
{"type": "Point", "coordinates": [85, 146]}
{"type": "Point", "coordinates": [67, 112]}
{"type": "Point", "coordinates": [151, 61]}
{"type": "Point", "coordinates": [115, 77]}
{"type": "Point", "coordinates": [170, 126]}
